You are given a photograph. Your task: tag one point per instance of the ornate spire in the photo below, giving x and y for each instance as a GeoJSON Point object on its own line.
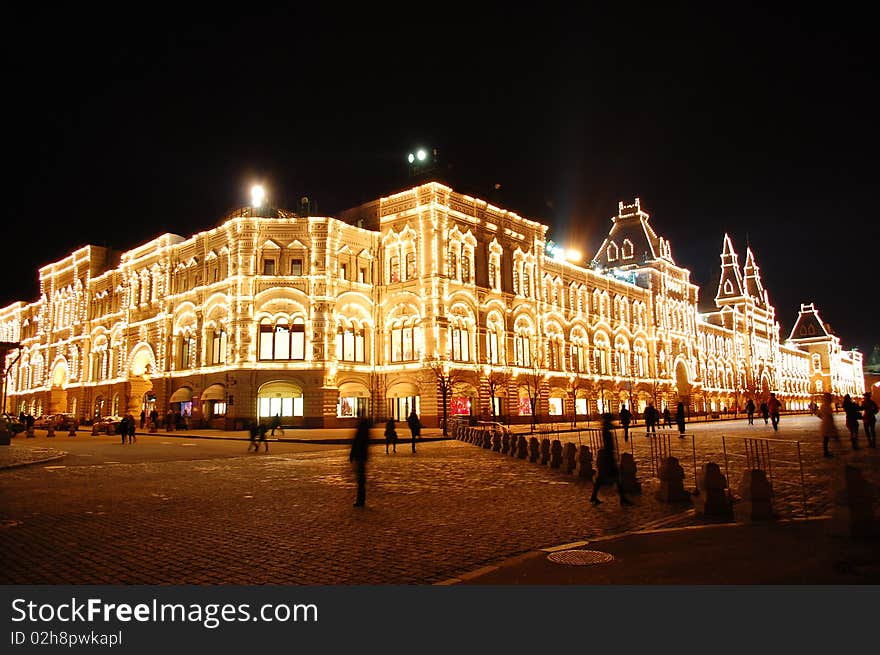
{"type": "Point", "coordinates": [753, 286]}
{"type": "Point", "coordinates": [730, 286]}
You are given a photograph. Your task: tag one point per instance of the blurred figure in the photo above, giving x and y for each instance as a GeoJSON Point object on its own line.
{"type": "Point", "coordinates": [261, 431]}
{"type": "Point", "coordinates": [774, 407]}
{"type": "Point", "coordinates": [853, 413]}
{"type": "Point", "coordinates": [625, 419]}
{"type": "Point", "coordinates": [254, 431]}
{"type": "Point", "coordinates": [415, 427]}
{"type": "Point", "coordinates": [679, 419]}
{"type": "Point", "coordinates": [869, 418]}
{"type": "Point", "coordinates": [606, 464]}
{"type": "Point", "coordinates": [667, 417]}
{"type": "Point", "coordinates": [750, 410]}
{"type": "Point", "coordinates": [765, 411]}
{"type": "Point", "coordinates": [276, 424]}
{"type": "Point", "coordinates": [829, 428]}
{"type": "Point", "coordinates": [390, 435]}
{"type": "Point", "coordinates": [360, 450]}
{"type": "Point", "coordinates": [652, 416]}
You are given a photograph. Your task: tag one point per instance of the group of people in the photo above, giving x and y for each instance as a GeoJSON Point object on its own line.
{"type": "Point", "coordinates": [652, 419]}
{"type": "Point", "coordinates": [126, 429]}
{"type": "Point", "coordinates": [854, 413]}
{"type": "Point", "coordinates": [360, 448]}
{"type": "Point", "coordinates": [415, 431]}
{"type": "Point", "coordinates": [770, 410]}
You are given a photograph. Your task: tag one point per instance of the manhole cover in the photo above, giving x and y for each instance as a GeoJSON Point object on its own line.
{"type": "Point", "coordinates": [580, 557]}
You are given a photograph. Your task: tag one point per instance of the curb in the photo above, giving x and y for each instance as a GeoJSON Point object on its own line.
{"type": "Point", "coordinates": [54, 458]}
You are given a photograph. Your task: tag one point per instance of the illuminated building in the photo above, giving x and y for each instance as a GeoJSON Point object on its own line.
{"type": "Point", "coordinates": [321, 319]}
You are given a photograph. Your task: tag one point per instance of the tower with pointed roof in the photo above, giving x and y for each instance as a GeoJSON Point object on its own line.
{"type": "Point", "coordinates": [730, 286]}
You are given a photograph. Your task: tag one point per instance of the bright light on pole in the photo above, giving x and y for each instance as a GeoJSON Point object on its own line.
{"type": "Point", "coordinates": [421, 154]}
{"type": "Point", "coordinates": [258, 195]}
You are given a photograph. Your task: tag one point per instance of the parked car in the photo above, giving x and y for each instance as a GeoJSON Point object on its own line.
{"type": "Point", "coordinates": [59, 421]}
{"type": "Point", "coordinates": [12, 424]}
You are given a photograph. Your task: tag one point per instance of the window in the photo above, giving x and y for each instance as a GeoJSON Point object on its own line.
{"type": "Point", "coordinates": [362, 275]}
{"type": "Point", "coordinates": [527, 282]}
{"type": "Point", "coordinates": [296, 267]}
{"type": "Point", "coordinates": [452, 262]}
{"type": "Point", "coordinates": [405, 343]}
{"type": "Point", "coordinates": [394, 273]}
{"type": "Point", "coordinates": [491, 346]}
{"type": "Point", "coordinates": [410, 265]}
{"type": "Point", "coordinates": [282, 341]}
{"type": "Point", "coordinates": [217, 353]}
{"type": "Point", "coordinates": [268, 267]}
{"type": "Point", "coordinates": [817, 361]}
{"type": "Point", "coordinates": [578, 357]}
{"type": "Point", "coordinates": [522, 347]}
{"type": "Point", "coordinates": [554, 359]}
{"type": "Point", "coordinates": [343, 271]}
{"type": "Point", "coordinates": [187, 351]}
{"type": "Point", "coordinates": [350, 344]}
{"type": "Point", "coordinates": [460, 343]}
{"type": "Point", "coordinates": [493, 274]}
{"type": "Point", "coordinates": [465, 267]}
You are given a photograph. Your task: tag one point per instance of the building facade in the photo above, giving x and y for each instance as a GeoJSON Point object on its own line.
{"type": "Point", "coordinates": [404, 303]}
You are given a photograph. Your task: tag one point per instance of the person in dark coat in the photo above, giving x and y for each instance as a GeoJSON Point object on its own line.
{"type": "Point", "coordinates": [625, 419]}
{"type": "Point", "coordinates": [415, 427]}
{"type": "Point", "coordinates": [750, 410]}
{"type": "Point", "coordinates": [652, 416]}
{"type": "Point", "coordinates": [680, 419]}
{"type": "Point", "coordinates": [853, 413]}
{"type": "Point", "coordinates": [606, 465]}
{"type": "Point", "coordinates": [261, 431]}
{"type": "Point", "coordinates": [774, 407]}
{"type": "Point", "coordinates": [390, 435]}
{"type": "Point", "coordinates": [869, 419]}
{"type": "Point", "coordinates": [276, 424]}
{"type": "Point", "coordinates": [360, 450]}
{"type": "Point", "coordinates": [254, 432]}
{"type": "Point", "coordinates": [667, 417]}
{"type": "Point", "coordinates": [143, 418]}
{"type": "Point", "coordinates": [765, 411]}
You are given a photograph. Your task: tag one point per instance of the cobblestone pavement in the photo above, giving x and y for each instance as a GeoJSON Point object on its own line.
{"type": "Point", "coordinates": [286, 517]}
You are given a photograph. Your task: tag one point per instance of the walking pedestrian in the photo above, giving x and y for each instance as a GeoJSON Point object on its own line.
{"type": "Point", "coordinates": [390, 435]}
{"type": "Point", "coordinates": [625, 419]}
{"type": "Point", "coordinates": [143, 418]}
{"type": "Point", "coordinates": [415, 428]}
{"type": "Point", "coordinates": [652, 416]}
{"type": "Point", "coordinates": [774, 407]}
{"type": "Point", "coordinates": [667, 417]}
{"type": "Point", "coordinates": [360, 450]}
{"type": "Point", "coordinates": [261, 431]}
{"type": "Point", "coordinates": [679, 419]}
{"type": "Point", "coordinates": [131, 429]}
{"type": "Point", "coordinates": [828, 427]}
{"type": "Point", "coordinates": [750, 410]}
{"type": "Point", "coordinates": [276, 424]}
{"type": "Point", "coordinates": [254, 431]}
{"type": "Point", "coordinates": [122, 428]}
{"type": "Point", "coordinates": [869, 418]}
{"type": "Point", "coordinates": [606, 465]}
{"type": "Point", "coordinates": [765, 411]}
{"type": "Point", "coordinates": [853, 413]}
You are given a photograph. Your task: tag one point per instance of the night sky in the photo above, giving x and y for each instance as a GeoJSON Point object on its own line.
{"type": "Point", "coordinates": [123, 126]}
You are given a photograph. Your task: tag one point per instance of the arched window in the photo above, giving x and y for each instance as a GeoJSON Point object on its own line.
{"type": "Point", "coordinates": [493, 329]}
{"type": "Point", "coordinates": [406, 340]}
{"type": "Point", "coordinates": [626, 250]}
{"type": "Point", "coordinates": [410, 265]}
{"type": "Point", "coordinates": [612, 252]}
{"type": "Point", "coordinates": [394, 269]}
{"type": "Point", "coordinates": [601, 353]}
{"type": "Point", "coordinates": [350, 343]}
{"type": "Point", "coordinates": [217, 346]}
{"type": "Point", "coordinates": [282, 340]}
{"type": "Point", "coordinates": [817, 361]}
{"type": "Point", "coordinates": [459, 342]}
{"type": "Point", "coordinates": [522, 346]}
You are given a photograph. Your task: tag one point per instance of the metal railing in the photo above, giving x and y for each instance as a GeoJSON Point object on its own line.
{"type": "Point", "coordinates": [764, 454]}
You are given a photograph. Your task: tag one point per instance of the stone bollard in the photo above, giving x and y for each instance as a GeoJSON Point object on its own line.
{"type": "Point", "coordinates": [71, 431]}
{"type": "Point", "coordinates": [569, 457]}
{"type": "Point", "coordinates": [545, 451]}
{"type": "Point", "coordinates": [496, 442]}
{"type": "Point", "coordinates": [585, 463]}
{"type": "Point", "coordinates": [487, 440]}
{"type": "Point", "coordinates": [555, 454]}
{"type": "Point", "coordinates": [628, 481]}
{"type": "Point", "coordinates": [853, 513]}
{"type": "Point", "coordinates": [50, 430]}
{"type": "Point", "coordinates": [756, 502]}
{"type": "Point", "coordinates": [95, 432]}
{"type": "Point", "coordinates": [713, 499]}
{"type": "Point", "coordinates": [672, 482]}
{"type": "Point", "coordinates": [534, 449]}
{"type": "Point", "coordinates": [30, 433]}
{"type": "Point", "coordinates": [153, 429]}
{"type": "Point", "coordinates": [522, 448]}
{"type": "Point", "coordinates": [505, 443]}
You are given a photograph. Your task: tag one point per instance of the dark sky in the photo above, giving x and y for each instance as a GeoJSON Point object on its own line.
{"type": "Point", "coordinates": [123, 126]}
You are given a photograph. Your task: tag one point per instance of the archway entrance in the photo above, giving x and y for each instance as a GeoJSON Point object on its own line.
{"type": "Point", "coordinates": [682, 384]}
{"type": "Point", "coordinates": [139, 381]}
{"type": "Point", "coordinates": [58, 392]}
